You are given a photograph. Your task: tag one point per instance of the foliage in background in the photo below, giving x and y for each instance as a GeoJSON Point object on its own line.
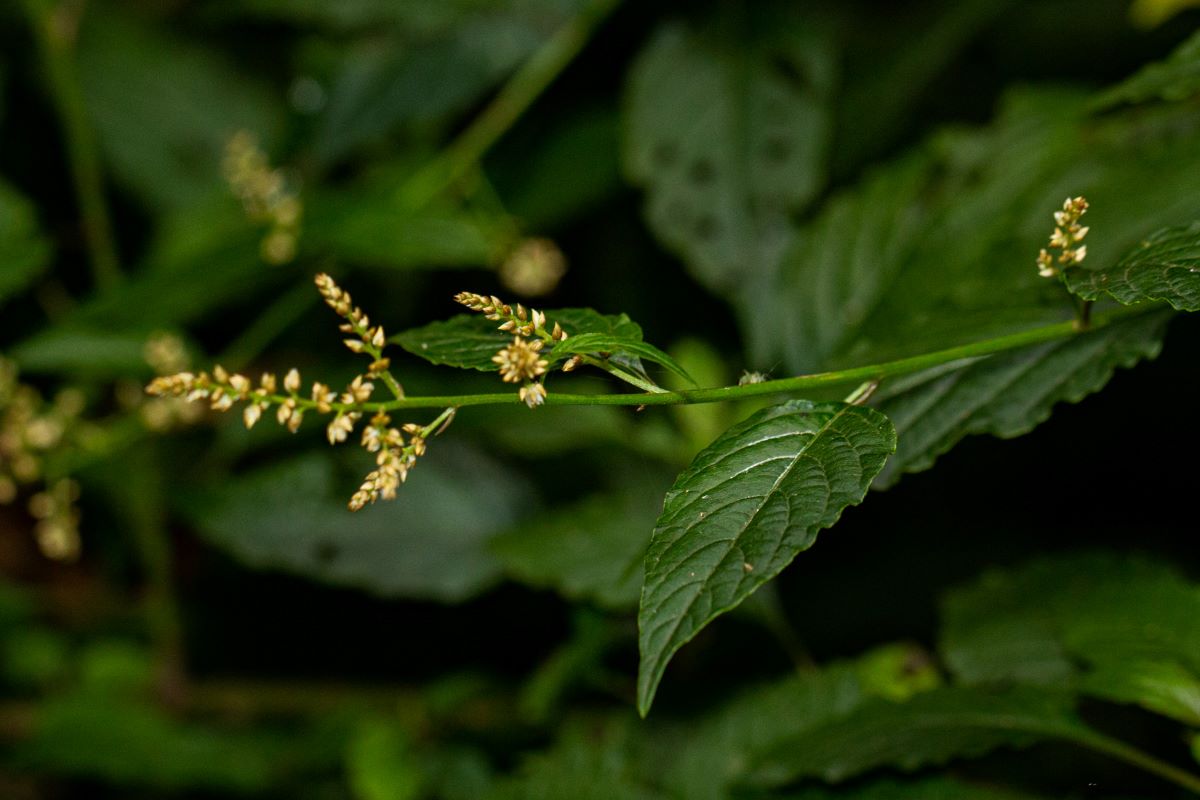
{"type": "Point", "coordinates": [823, 187]}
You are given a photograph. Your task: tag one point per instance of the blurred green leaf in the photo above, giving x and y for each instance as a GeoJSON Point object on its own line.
{"type": "Point", "coordinates": [937, 249]}
{"type": "Point", "coordinates": [90, 735]}
{"type": "Point", "coordinates": [24, 253]}
{"type": "Point", "coordinates": [727, 128]}
{"type": "Point", "coordinates": [930, 728]}
{"type": "Point", "coordinates": [1130, 627]}
{"type": "Point", "coordinates": [380, 762]}
{"type": "Point", "coordinates": [1164, 267]}
{"type": "Point", "coordinates": [1010, 393]}
{"type": "Point", "coordinates": [164, 108]}
{"type": "Point", "coordinates": [433, 541]}
{"type": "Point", "coordinates": [743, 509]}
{"type": "Point", "coordinates": [34, 657]}
{"type": "Point", "coordinates": [589, 550]}
{"type": "Point", "coordinates": [1175, 78]}
{"type": "Point", "coordinates": [84, 352]}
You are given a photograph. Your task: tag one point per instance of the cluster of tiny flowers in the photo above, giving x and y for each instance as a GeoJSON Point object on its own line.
{"type": "Point", "coordinates": [367, 339]}
{"type": "Point", "coordinates": [394, 458]}
{"type": "Point", "coordinates": [265, 196]}
{"type": "Point", "coordinates": [1068, 234]}
{"type": "Point", "coordinates": [166, 354]}
{"type": "Point", "coordinates": [31, 428]}
{"type": "Point", "coordinates": [521, 361]}
{"type": "Point", "coordinates": [395, 454]}
{"type": "Point", "coordinates": [534, 267]}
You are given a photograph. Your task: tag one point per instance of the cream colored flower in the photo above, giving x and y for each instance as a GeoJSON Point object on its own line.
{"type": "Point", "coordinates": [521, 361]}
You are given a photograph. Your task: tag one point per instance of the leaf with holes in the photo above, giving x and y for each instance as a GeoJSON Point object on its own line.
{"type": "Point", "coordinates": [743, 509]}
{"type": "Point", "coordinates": [606, 345]}
{"type": "Point", "coordinates": [1009, 394]}
{"type": "Point", "coordinates": [1164, 267]}
{"type": "Point", "coordinates": [469, 341]}
{"type": "Point", "coordinates": [727, 129]}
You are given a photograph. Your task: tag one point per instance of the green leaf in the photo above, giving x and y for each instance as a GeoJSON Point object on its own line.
{"type": "Point", "coordinates": [743, 509]}
{"type": "Point", "coordinates": [931, 728]}
{"type": "Point", "coordinates": [727, 129]}
{"type": "Point", "coordinates": [1122, 628]}
{"type": "Point", "coordinates": [1176, 78]}
{"type": "Point", "coordinates": [1010, 393]}
{"type": "Point", "coordinates": [935, 249]}
{"type": "Point", "coordinates": [84, 352]}
{"type": "Point", "coordinates": [469, 341]}
{"type": "Point", "coordinates": [590, 550]}
{"type": "Point", "coordinates": [164, 108]}
{"type": "Point", "coordinates": [24, 253]}
{"type": "Point", "coordinates": [431, 542]}
{"type": "Point", "coordinates": [604, 344]}
{"type": "Point", "coordinates": [380, 762]}
{"type": "Point", "coordinates": [1164, 267]}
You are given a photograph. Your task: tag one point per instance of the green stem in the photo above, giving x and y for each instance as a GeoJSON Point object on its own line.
{"type": "Point", "coordinates": [269, 325]}
{"type": "Point", "coordinates": [55, 29]}
{"type": "Point", "coordinates": [509, 104]}
{"type": "Point", "coordinates": [802, 383]}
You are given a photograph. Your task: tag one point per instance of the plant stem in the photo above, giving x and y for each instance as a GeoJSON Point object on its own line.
{"type": "Point", "coordinates": [506, 107]}
{"type": "Point", "coordinates": [801, 383]}
{"type": "Point", "coordinates": [55, 29]}
{"type": "Point", "coordinates": [1144, 761]}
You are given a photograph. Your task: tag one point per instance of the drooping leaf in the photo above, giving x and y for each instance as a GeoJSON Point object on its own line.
{"type": "Point", "coordinates": [1010, 393]}
{"type": "Point", "coordinates": [1165, 266]}
{"type": "Point", "coordinates": [930, 728]}
{"type": "Point", "coordinates": [24, 253]}
{"type": "Point", "coordinates": [469, 341]}
{"type": "Point", "coordinates": [1175, 78]}
{"type": "Point", "coordinates": [586, 343]}
{"type": "Point", "coordinates": [164, 108]}
{"type": "Point", "coordinates": [727, 129]}
{"type": "Point", "coordinates": [743, 509]}
{"type": "Point", "coordinates": [431, 542]}
{"type": "Point", "coordinates": [1122, 628]}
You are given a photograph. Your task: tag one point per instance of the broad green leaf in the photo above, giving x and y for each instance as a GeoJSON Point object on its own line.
{"type": "Point", "coordinates": [1010, 393]}
{"type": "Point", "coordinates": [936, 249]}
{"type": "Point", "coordinates": [590, 550]}
{"type": "Point", "coordinates": [164, 108]}
{"type": "Point", "coordinates": [1165, 266]}
{"type": "Point", "coordinates": [604, 344]}
{"type": "Point", "coordinates": [743, 509]}
{"type": "Point", "coordinates": [727, 128]}
{"type": "Point", "coordinates": [431, 542]}
{"type": "Point", "coordinates": [930, 728]}
{"type": "Point", "coordinates": [1121, 628]}
{"type": "Point", "coordinates": [469, 341]}
{"type": "Point", "coordinates": [1176, 78]}
{"type": "Point", "coordinates": [380, 762]}
{"type": "Point", "coordinates": [24, 253]}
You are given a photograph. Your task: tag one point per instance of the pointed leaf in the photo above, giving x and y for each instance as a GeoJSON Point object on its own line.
{"type": "Point", "coordinates": [743, 509]}
{"type": "Point", "coordinates": [586, 343]}
{"type": "Point", "coordinates": [1165, 267]}
{"type": "Point", "coordinates": [1176, 78]}
{"type": "Point", "coordinates": [1010, 393]}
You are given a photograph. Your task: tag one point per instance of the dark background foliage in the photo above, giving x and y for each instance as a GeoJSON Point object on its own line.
{"type": "Point", "coordinates": [401, 656]}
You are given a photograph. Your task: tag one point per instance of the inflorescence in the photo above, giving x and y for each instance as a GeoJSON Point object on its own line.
{"type": "Point", "coordinates": [521, 362]}
{"type": "Point", "coordinates": [1068, 234]}
{"type": "Point", "coordinates": [396, 449]}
